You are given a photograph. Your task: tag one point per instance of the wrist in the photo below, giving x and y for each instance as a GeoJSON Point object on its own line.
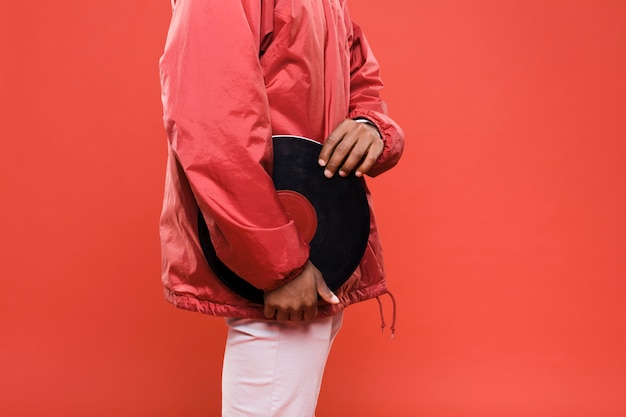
{"type": "Point", "coordinates": [368, 122]}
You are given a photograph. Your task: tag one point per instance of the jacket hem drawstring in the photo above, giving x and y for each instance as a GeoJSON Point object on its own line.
{"type": "Point", "coordinates": [382, 316]}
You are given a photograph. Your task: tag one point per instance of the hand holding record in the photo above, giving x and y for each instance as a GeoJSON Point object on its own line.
{"type": "Point", "coordinates": [297, 300]}
{"type": "Point", "coordinates": [352, 145]}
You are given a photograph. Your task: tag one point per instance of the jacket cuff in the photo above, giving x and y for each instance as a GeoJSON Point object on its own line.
{"type": "Point", "coordinates": [288, 278]}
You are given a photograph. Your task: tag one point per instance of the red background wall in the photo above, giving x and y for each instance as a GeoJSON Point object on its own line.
{"type": "Point", "coordinates": [504, 225]}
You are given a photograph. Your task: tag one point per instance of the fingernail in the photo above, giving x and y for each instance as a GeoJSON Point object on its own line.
{"type": "Point", "coordinates": [328, 173]}
{"type": "Point", "coordinates": [358, 173]}
{"type": "Point", "coordinates": [334, 299]}
{"type": "Point", "coordinates": [342, 173]}
{"type": "Point", "coordinates": [321, 162]}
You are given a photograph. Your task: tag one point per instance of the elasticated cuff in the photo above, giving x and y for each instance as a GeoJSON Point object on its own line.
{"type": "Point", "coordinates": [288, 278]}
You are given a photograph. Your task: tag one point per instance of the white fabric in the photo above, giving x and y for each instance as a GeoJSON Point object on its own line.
{"type": "Point", "coordinates": [274, 369]}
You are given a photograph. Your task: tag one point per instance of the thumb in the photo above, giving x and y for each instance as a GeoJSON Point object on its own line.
{"type": "Point", "coordinates": [325, 292]}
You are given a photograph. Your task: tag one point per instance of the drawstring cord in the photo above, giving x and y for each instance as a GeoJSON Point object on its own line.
{"type": "Point", "coordinates": [382, 316]}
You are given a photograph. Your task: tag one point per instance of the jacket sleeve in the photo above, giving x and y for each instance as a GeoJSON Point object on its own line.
{"type": "Point", "coordinates": [216, 115]}
{"type": "Point", "coordinates": [365, 101]}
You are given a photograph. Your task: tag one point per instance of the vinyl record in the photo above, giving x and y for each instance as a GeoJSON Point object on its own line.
{"type": "Point", "coordinates": [331, 213]}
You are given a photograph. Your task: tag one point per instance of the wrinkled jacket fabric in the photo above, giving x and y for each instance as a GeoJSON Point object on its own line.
{"type": "Point", "coordinates": [234, 73]}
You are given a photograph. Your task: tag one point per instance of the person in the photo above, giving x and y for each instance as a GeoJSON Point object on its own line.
{"type": "Point", "coordinates": [234, 73]}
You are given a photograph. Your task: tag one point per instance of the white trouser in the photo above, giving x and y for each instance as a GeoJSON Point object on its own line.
{"type": "Point", "coordinates": [274, 369]}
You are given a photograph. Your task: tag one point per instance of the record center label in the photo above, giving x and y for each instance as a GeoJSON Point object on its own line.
{"type": "Point", "coordinates": [301, 211]}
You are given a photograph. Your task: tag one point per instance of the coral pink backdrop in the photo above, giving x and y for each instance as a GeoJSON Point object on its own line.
{"type": "Point", "coordinates": [504, 225]}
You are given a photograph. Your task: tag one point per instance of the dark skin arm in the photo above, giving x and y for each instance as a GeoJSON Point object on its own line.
{"type": "Point", "coordinates": [352, 146]}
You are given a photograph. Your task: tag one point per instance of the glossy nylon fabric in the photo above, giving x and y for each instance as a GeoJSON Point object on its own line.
{"type": "Point", "coordinates": [233, 74]}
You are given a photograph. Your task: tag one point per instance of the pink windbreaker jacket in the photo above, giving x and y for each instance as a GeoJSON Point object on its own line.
{"type": "Point", "coordinates": [234, 73]}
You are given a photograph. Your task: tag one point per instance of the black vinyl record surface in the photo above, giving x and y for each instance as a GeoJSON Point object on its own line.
{"type": "Point", "coordinates": [331, 213]}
